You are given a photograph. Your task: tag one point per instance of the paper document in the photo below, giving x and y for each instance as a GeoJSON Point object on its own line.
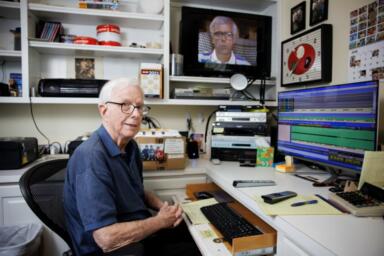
{"type": "Point", "coordinates": [193, 210]}
{"type": "Point", "coordinates": [372, 170]}
{"type": "Point", "coordinates": [285, 208]}
{"type": "Point", "coordinates": [209, 240]}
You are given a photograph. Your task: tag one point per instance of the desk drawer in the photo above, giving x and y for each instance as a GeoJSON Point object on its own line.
{"type": "Point", "coordinates": [250, 245]}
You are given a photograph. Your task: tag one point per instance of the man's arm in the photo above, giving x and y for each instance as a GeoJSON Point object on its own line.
{"type": "Point", "coordinates": [117, 235]}
{"type": "Point", "coordinates": [152, 200]}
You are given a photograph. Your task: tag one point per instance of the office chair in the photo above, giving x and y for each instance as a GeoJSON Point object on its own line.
{"type": "Point", "coordinates": [42, 189]}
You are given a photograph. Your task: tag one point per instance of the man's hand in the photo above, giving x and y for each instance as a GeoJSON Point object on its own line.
{"type": "Point", "coordinates": [170, 215]}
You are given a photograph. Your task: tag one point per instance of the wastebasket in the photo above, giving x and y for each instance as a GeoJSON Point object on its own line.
{"type": "Point", "coordinates": [20, 240]}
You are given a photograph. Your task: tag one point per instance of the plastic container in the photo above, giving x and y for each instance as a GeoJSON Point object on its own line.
{"type": "Point", "coordinates": [20, 240]}
{"type": "Point", "coordinates": [151, 6]}
{"type": "Point", "coordinates": [176, 64]}
{"type": "Point", "coordinates": [108, 34]}
{"type": "Point", "coordinates": [85, 40]}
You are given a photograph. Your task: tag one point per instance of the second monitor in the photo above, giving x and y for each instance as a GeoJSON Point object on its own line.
{"type": "Point", "coordinates": [332, 126]}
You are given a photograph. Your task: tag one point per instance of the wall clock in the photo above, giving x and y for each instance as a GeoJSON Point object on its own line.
{"type": "Point", "coordinates": [307, 58]}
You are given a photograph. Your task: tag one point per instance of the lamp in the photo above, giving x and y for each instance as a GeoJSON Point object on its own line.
{"type": "Point", "coordinates": [240, 82]}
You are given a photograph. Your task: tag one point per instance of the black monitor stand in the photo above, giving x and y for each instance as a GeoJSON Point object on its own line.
{"type": "Point", "coordinates": [337, 177]}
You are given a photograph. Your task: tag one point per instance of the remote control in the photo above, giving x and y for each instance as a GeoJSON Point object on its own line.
{"type": "Point", "coordinates": [278, 197]}
{"type": "Point", "coordinates": [252, 183]}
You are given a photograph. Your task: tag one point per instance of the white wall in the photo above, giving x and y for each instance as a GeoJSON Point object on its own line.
{"type": "Point", "coordinates": [338, 16]}
{"type": "Point", "coordinates": [66, 122]}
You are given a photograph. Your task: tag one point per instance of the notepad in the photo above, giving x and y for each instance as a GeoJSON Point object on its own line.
{"type": "Point", "coordinates": [285, 208]}
{"type": "Point", "coordinates": [372, 170]}
{"type": "Point", "coordinates": [193, 211]}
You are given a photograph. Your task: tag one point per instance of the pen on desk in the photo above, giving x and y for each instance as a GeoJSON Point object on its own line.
{"type": "Point", "coordinates": [304, 203]}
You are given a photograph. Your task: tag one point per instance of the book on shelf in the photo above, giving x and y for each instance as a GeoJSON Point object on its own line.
{"type": "Point", "coordinates": [49, 31]}
{"type": "Point", "coordinates": [103, 4]}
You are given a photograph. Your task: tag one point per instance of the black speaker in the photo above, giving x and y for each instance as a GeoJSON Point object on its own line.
{"type": "Point", "coordinates": [192, 149]}
{"type": "Point", "coordinates": [4, 90]}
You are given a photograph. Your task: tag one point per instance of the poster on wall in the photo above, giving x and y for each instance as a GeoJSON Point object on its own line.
{"type": "Point", "coordinates": [366, 43]}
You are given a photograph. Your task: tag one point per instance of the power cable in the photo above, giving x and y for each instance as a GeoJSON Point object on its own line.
{"type": "Point", "coordinates": [206, 126]}
{"type": "Point", "coordinates": [34, 122]}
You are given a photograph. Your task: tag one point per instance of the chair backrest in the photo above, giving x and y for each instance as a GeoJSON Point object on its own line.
{"type": "Point", "coordinates": [42, 188]}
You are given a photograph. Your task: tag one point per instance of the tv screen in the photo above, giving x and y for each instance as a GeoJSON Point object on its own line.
{"type": "Point", "coordinates": [221, 43]}
{"type": "Point", "coordinates": [332, 126]}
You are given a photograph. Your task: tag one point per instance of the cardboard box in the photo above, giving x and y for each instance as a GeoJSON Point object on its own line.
{"type": "Point", "coordinates": [162, 153]}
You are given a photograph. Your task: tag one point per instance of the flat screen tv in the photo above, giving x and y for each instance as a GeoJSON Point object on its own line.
{"type": "Point", "coordinates": [221, 43]}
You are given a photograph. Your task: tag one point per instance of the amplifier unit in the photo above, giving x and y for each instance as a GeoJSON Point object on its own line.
{"type": "Point", "coordinates": [239, 108]}
{"type": "Point", "coordinates": [70, 87]}
{"type": "Point", "coordinates": [202, 93]}
{"type": "Point", "coordinates": [240, 128]}
{"type": "Point", "coordinates": [245, 142]}
{"type": "Point", "coordinates": [233, 154]}
{"type": "Point", "coordinates": [259, 117]}
{"type": "Point", "coordinates": [222, 141]}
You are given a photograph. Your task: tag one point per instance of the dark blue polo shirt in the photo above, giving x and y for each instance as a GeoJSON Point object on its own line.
{"type": "Point", "coordinates": [102, 187]}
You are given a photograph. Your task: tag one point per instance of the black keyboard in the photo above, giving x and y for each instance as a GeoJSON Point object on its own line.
{"type": "Point", "coordinates": [357, 199]}
{"type": "Point", "coordinates": [228, 222]}
{"type": "Point", "coordinates": [358, 203]}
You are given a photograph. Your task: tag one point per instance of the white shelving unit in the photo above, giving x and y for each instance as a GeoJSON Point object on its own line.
{"type": "Point", "coordinates": [94, 50]}
{"type": "Point", "coordinates": [209, 80]}
{"type": "Point", "coordinates": [57, 60]}
{"type": "Point", "coordinates": [10, 55]}
{"type": "Point", "coordinates": [10, 59]}
{"type": "Point", "coordinates": [10, 9]}
{"type": "Point", "coordinates": [93, 17]}
{"type": "Point", "coordinates": [154, 102]}
{"type": "Point", "coordinates": [262, 7]}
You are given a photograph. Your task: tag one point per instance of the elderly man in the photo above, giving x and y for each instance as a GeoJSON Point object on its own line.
{"type": "Point", "coordinates": [224, 33]}
{"type": "Point", "coordinates": [106, 206]}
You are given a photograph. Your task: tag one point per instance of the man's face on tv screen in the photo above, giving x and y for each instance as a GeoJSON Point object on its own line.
{"type": "Point", "coordinates": [223, 39]}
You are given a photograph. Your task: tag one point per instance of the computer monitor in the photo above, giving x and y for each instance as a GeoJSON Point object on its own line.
{"type": "Point", "coordinates": [330, 126]}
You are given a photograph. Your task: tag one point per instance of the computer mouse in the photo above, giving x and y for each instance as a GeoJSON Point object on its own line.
{"type": "Point", "coordinates": [203, 195]}
{"type": "Point", "coordinates": [215, 161]}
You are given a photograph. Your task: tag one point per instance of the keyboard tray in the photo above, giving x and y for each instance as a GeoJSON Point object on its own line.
{"type": "Point", "coordinates": [262, 244]}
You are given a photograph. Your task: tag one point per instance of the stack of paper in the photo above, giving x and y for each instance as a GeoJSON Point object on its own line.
{"type": "Point", "coordinates": [192, 210]}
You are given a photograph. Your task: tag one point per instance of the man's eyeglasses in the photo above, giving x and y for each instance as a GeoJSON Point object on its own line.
{"type": "Point", "coordinates": [221, 35]}
{"type": "Point", "coordinates": [129, 108]}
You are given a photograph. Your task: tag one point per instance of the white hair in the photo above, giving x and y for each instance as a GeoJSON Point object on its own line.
{"type": "Point", "coordinates": [219, 20]}
{"type": "Point", "coordinates": [110, 86]}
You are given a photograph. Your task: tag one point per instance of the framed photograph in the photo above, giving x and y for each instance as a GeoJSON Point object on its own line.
{"type": "Point", "coordinates": [298, 18]}
{"type": "Point", "coordinates": [85, 68]}
{"type": "Point", "coordinates": [318, 11]}
{"type": "Point", "coordinates": [307, 57]}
